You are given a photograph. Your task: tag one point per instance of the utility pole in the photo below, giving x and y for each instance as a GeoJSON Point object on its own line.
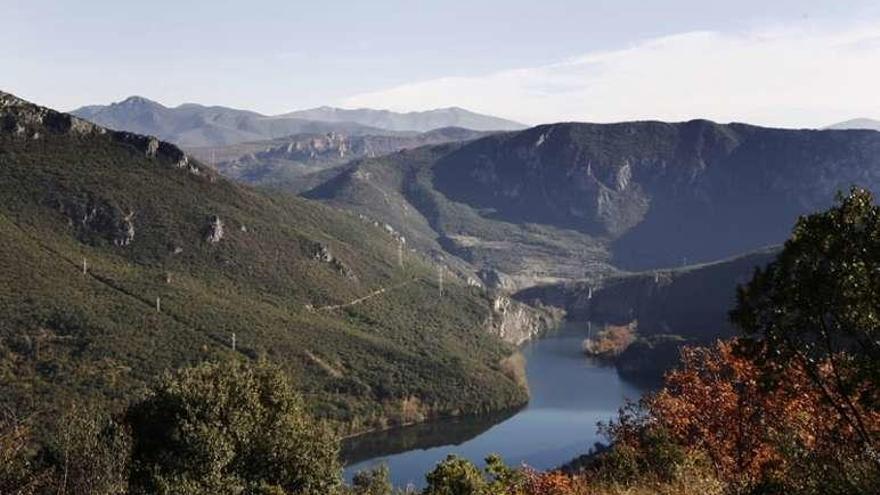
{"type": "Point", "coordinates": [400, 254]}
{"type": "Point", "coordinates": [85, 266]}
{"type": "Point", "coordinates": [440, 279]}
{"type": "Point", "coordinates": [233, 341]}
{"type": "Point", "coordinates": [158, 305]}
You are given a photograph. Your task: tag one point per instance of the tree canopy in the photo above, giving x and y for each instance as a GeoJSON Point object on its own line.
{"type": "Point", "coordinates": [230, 428]}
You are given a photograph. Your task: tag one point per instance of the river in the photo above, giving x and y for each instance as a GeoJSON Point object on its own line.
{"type": "Point", "coordinates": [570, 394]}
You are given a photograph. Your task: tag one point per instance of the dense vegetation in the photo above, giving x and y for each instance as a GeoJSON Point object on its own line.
{"type": "Point", "coordinates": [110, 277]}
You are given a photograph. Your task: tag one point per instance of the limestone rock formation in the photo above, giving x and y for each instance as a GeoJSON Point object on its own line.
{"type": "Point", "coordinates": [125, 230]}
{"type": "Point", "coordinates": [495, 280]}
{"type": "Point", "coordinates": [516, 323]}
{"type": "Point", "coordinates": [322, 253]}
{"type": "Point", "coordinates": [215, 230]}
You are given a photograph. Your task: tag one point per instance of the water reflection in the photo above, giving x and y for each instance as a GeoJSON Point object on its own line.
{"type": "Point", "coordinates": [570, 395]}
{"type": "Point", "coordinates": [453, 431]}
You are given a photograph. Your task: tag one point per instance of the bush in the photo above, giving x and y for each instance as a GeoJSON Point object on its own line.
{"type": "Point", "coordinates": [230, 428]}
{"type": "Point", "coordinates": [372, 482]}
{"type": "Point", "coordinates": [455, 476]}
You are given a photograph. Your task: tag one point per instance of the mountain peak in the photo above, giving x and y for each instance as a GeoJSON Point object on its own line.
{"type": "Point", "coordinates": [858, 123]}
{"type": "Point", "coordinates": [138, 101]}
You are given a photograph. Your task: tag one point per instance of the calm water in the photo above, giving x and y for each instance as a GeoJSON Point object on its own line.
{"type": "Point", "coordinates": [570, 395]}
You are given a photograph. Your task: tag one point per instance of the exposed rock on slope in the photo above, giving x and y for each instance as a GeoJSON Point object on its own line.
{"type": "Point", "coordinates": [517, 323]}
{"type": "Point", "coordinates": [215, 230]}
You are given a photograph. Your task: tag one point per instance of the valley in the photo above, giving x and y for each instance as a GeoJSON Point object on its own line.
{"type": "Point", "coordinates": [440, 248]}
{"type": "Point", "coordinates": [616, 224]}
{"type": "Point", "coordinates": [405, 287]}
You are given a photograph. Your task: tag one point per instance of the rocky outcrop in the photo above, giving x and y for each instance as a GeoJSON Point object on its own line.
{"type": "Point", "coordinates": [96, 220]}
{"type": "Point", "coordinates": [516, 323]}
{"type": "Point", "coordinates": [495, 280]}
{"type": "Point", "coordinates": [322, 253]}
{"type": "Point", "coordinates": [214, 230]}
{"type": "Point", "coordinates": [125, 231]}
{"type": "Point", "coordinates": [25, 120]}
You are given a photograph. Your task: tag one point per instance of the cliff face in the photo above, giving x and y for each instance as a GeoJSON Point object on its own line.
{"type": "Point", "coordinates": [517, 323]}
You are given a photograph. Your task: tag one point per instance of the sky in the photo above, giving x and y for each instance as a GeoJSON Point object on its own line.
{"type": "Point", "coordinates": [789, 63]}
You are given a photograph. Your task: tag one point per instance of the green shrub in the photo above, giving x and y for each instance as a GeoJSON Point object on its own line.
{"type": "Point", "coordinates": [372, 482]}
{"type": "Point", "coordinates": [230, 428]}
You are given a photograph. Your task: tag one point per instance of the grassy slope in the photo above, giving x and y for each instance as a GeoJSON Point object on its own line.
{"type": "Point", "coordinates": [66, 335]}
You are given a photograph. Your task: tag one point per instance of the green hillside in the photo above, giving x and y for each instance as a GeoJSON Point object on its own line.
{"type": "Point", "coordinates": [144, 219]}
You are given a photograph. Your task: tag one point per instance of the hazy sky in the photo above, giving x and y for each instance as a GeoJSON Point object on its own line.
{"type": "Point", "coordinates": [774, 62]}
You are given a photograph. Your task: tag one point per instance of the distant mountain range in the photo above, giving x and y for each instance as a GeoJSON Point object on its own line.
{"type": "Point", "coordinates": [863, 123]}
{"type": "Point", "coordinates": [410, 121]}
{"type": "Point", "coordinates": [302, 161]}
{"type": "Point", "coordinates": [192, 125]}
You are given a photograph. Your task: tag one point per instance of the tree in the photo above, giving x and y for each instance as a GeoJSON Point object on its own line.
{"type": "Point", "coordinates": [455, 476]}
{"type": "Point", "coordinates": [90, 453]}
{"type": "Point", "coordinates": [372, 482]}
{"type": "Point", "coordinates": [17, 473]}
{"type": "Point", "coordinates": [230, 428]}
{"type": "Point", "coordinates": [715, 402]}
{"type": "Point", "coordinates": [818, 307]}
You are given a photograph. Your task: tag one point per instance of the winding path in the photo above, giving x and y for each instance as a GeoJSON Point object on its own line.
{"type": "Point", "coordinates": [359, 300]}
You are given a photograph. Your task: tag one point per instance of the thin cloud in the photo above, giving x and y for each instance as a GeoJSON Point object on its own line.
{"type": "Point", "coordinates": [782, 77]}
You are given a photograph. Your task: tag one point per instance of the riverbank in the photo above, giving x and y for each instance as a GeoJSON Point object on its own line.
{"type": "Point", "coordinates": [570, 394]}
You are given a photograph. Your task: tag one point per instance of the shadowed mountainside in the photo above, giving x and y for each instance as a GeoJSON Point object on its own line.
{"type": "Point", "coordinates": [569, 201]}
